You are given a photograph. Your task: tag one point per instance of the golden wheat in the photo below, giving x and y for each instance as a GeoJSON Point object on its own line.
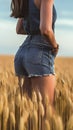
{"type": "Point", "coordinates": [5, 117]}
{"type": "Point", "coordinates": [18, 100]}
{"type": "Point", "coordinates": [46, 125]}
{"type": "Point", "coordinates": [1, 104]}
{"type": "Point", "coordinates": [12, 120]}
{"type": "Point", "coordinates": [21, 125]}
{"type": "Point", "coordinates": [70, 123]}
{"type": "Point", "coordinates": [24, 113]}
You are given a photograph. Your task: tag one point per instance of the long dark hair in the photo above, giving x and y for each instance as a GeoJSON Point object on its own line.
{"type": "Point", "coordinates": [19, 8]}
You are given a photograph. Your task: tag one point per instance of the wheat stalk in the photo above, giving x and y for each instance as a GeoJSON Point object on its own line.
{"type": "Point", "coordinates": [1, 108]}
{"type": "Point", "coordinates": [18, 100]}
{"type": "Point", "coordinates": [12, 121]}
{"type": "Point", "coordinates": [70, 123]}
{"type": "Point", "coordinates": [21, 125]}
{"type": "Point", "coordinates": [5, 117]}
{"type": "Point", "coordinates": [46, 125]}
{"type": "Point", "coordinates": [1, 104]}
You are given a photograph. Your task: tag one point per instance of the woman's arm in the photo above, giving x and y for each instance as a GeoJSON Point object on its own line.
{"type": "Point", "coordinates": [46, 9]}
{"type": "Point", "coordinates": [19, 27]}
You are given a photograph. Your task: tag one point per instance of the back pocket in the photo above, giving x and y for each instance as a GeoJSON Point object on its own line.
{"type": "Point", "coordinates": [34, 55]}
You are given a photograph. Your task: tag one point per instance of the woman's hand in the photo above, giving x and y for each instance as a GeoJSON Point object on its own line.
{"type": "Point", "coordinates": [55, 50]}
{"type": "Point", "coordinates": [19, 26]}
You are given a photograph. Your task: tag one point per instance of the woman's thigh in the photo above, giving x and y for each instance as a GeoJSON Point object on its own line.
{"type": "Point", "coordinates": [27, 86]}
{"type": "Point", "coordinates": [46, 85]}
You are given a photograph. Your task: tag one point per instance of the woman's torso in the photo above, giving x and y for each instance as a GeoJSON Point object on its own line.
{"type": "Point", "coordinates": [33, 22]}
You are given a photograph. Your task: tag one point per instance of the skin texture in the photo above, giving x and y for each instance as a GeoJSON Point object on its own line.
{"type": "Point", "coordinates": [45, 7]}
{"type": "Point", "coordinates": [19, 27]}
{"type": "Point", "coordinates": [46, 21]}
{"type": "Point", "coordinates": [27, 86]}
{"type": "Point", "coordinates": [37, 3]}
{"type": "Point", "coordinates": [45, 84]}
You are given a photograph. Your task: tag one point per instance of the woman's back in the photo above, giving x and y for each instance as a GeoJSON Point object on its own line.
{"type": "Point", "coordinates": [34, 18]}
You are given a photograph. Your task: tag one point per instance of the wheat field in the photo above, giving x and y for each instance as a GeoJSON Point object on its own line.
{"type": "Point", "coordinates": [18, 113]}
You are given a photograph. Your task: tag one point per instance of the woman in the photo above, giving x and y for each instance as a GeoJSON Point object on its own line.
{"type": "Point", "coordinates": [35, 58]}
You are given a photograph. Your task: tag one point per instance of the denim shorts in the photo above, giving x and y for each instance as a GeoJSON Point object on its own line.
{"type": "Point", "coordinates": [34, 57]}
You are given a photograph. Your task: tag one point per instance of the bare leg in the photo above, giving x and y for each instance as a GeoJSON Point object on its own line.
{"type": "Point", "coordinates": [27, 86]}
{"type": "Point", "coordinates": [46, 85]}
{"type": "Point", "coordinates": [20, 85]}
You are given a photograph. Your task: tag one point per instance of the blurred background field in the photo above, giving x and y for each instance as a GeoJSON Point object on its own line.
{"type": "Point", "coordinates": [31, 114]}
{"type": "Point", "coordinates": [26, 113]}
